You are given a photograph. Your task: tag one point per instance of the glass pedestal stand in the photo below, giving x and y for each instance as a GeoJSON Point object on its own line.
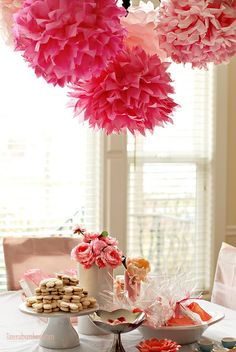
{"type": "Point", "coordinates": [117, 345]}
{"type": "Point", "coordinates": [130, 321]}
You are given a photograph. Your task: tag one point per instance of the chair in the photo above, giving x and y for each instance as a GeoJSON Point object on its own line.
{"type": "Point", "coordinates": [50, 254]}
{"type": "Point", "coordinates": [224, 289]}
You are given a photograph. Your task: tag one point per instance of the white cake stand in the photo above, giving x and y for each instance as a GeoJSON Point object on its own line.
{"type": "Point", "coordinates": [59, 333]}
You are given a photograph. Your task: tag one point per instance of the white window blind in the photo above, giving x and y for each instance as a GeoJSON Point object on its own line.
{"type": "Point", "coordinates": [49, 164]}
{"type": "Point", "coordinates": [171, 180]}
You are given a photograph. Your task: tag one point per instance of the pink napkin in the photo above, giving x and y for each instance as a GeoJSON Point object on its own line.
{"type": "Point", "coordinates": [32, 278]}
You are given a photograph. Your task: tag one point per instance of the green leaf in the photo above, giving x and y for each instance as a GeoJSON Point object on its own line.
{"type": "Point", "coordinates": [104, 234]}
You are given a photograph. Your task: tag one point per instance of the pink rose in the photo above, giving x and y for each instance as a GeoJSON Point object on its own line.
{"type": "Point", "coordinates": [100, 262]}
{"type": "Point", "coordinates": [98, 246]}
{"type": "Point", "coordinates": [83, 253]}
{"type": "Point", "coordinates": [110, 241]}
{"type": "Point", "coordinates": [112, 256]}
{"type": "Point", "coordinates": [79, 229]}
{"type": "Point", "coordinates": [90, 236]}
{"type": "Point", "coordinates": [87, 264]}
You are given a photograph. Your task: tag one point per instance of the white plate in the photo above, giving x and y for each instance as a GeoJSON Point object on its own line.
{"type": "Point", "coordinates": [27, 310]}
{"type": "Point", "coordinates": [181, 334]}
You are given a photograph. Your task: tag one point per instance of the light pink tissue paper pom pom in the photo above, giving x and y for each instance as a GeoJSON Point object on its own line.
{"type": "Point", "coordinates": [198, 32]}
{"type": "Point", "coordinates": [132, 93]}
{"type": "Point", "coordinates": [140, 24]}
{"type": "Point", "coordinates": [67, 40]}
{"type": "Point", "coordinates": [7, 9]}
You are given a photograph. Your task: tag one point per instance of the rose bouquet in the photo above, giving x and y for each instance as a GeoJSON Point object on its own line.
{"type": "Point", "coordinates": [96, 248]}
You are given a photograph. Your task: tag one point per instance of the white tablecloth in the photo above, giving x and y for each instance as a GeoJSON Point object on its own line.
{"type": "Point", "coordinates": [20, 332]}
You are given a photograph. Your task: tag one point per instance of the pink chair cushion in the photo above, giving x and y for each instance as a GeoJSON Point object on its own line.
{"type": "Point", "coordinates": [50, 254]}
{"type": "Point", "coordinates": [224, 289]}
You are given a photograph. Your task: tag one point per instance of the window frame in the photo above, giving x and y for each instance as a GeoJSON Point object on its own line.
{"type": "Point", "coordinates": [115, 175]}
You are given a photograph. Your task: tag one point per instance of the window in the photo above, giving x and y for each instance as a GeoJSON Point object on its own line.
{"type": "Point", "coordinates": [50, 165]}
{"type": "Point", "coordinates": [162, 196]}
{"type": "Point", "coordinates": [168, 189]}
{"type": "Point", "coordinates": [171, 182]}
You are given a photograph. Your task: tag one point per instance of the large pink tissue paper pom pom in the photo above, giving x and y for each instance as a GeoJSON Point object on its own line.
{"type": "Point", "coordinates": [7, 9]}
{"type": "Point", "coordinates": [67, 40]}
{"type": "Point", "coordinates": [140, 25]}
{"type": "Point", "coordinates": [132, 93]}
{"type": "Point", "coordinates": [198, 32]}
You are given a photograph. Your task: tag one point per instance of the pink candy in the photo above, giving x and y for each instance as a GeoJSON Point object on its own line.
{"type": "Point", "coordinates": [117, 321]}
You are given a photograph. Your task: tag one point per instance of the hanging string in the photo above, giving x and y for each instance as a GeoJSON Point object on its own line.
{"type": "Point", "coordinates": [126, 4]}
{"type": "Point", "coordinates": [135, 152]}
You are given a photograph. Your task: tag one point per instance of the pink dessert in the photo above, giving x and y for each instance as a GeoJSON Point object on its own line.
{"type": "Point", "coordinates": [117, 321]}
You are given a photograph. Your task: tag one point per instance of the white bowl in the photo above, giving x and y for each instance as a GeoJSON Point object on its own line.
{"type": "Point", "coordinates": [180, 334]}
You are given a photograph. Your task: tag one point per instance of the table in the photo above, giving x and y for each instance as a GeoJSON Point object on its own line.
{"type": "Point", "coordinates": [20, 333]}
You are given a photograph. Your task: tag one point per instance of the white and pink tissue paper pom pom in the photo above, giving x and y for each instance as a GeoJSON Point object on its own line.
{"type": "Point", "coordinates": [67, 40]}
{"type": "Point", "coordinates": [198, 32]}
{"type": "Point", "coordinates": [140, 24]}
{"type": "Point", "coordinates": [132, 93]}
{"type": "Point", "coordinates": [7, 9]}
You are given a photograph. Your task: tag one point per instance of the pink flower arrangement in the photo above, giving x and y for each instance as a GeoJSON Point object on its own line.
{"type": "Point", "coordinates": [155, 345]}
{"type": "Point", "coordinates": [197, 32]}
{"type": "Point", "coordinates": [67, 40]}
{"type": "Point", "coordinates": [96, 248]}
{"type": "Point", "coordinates": [133, 93]}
